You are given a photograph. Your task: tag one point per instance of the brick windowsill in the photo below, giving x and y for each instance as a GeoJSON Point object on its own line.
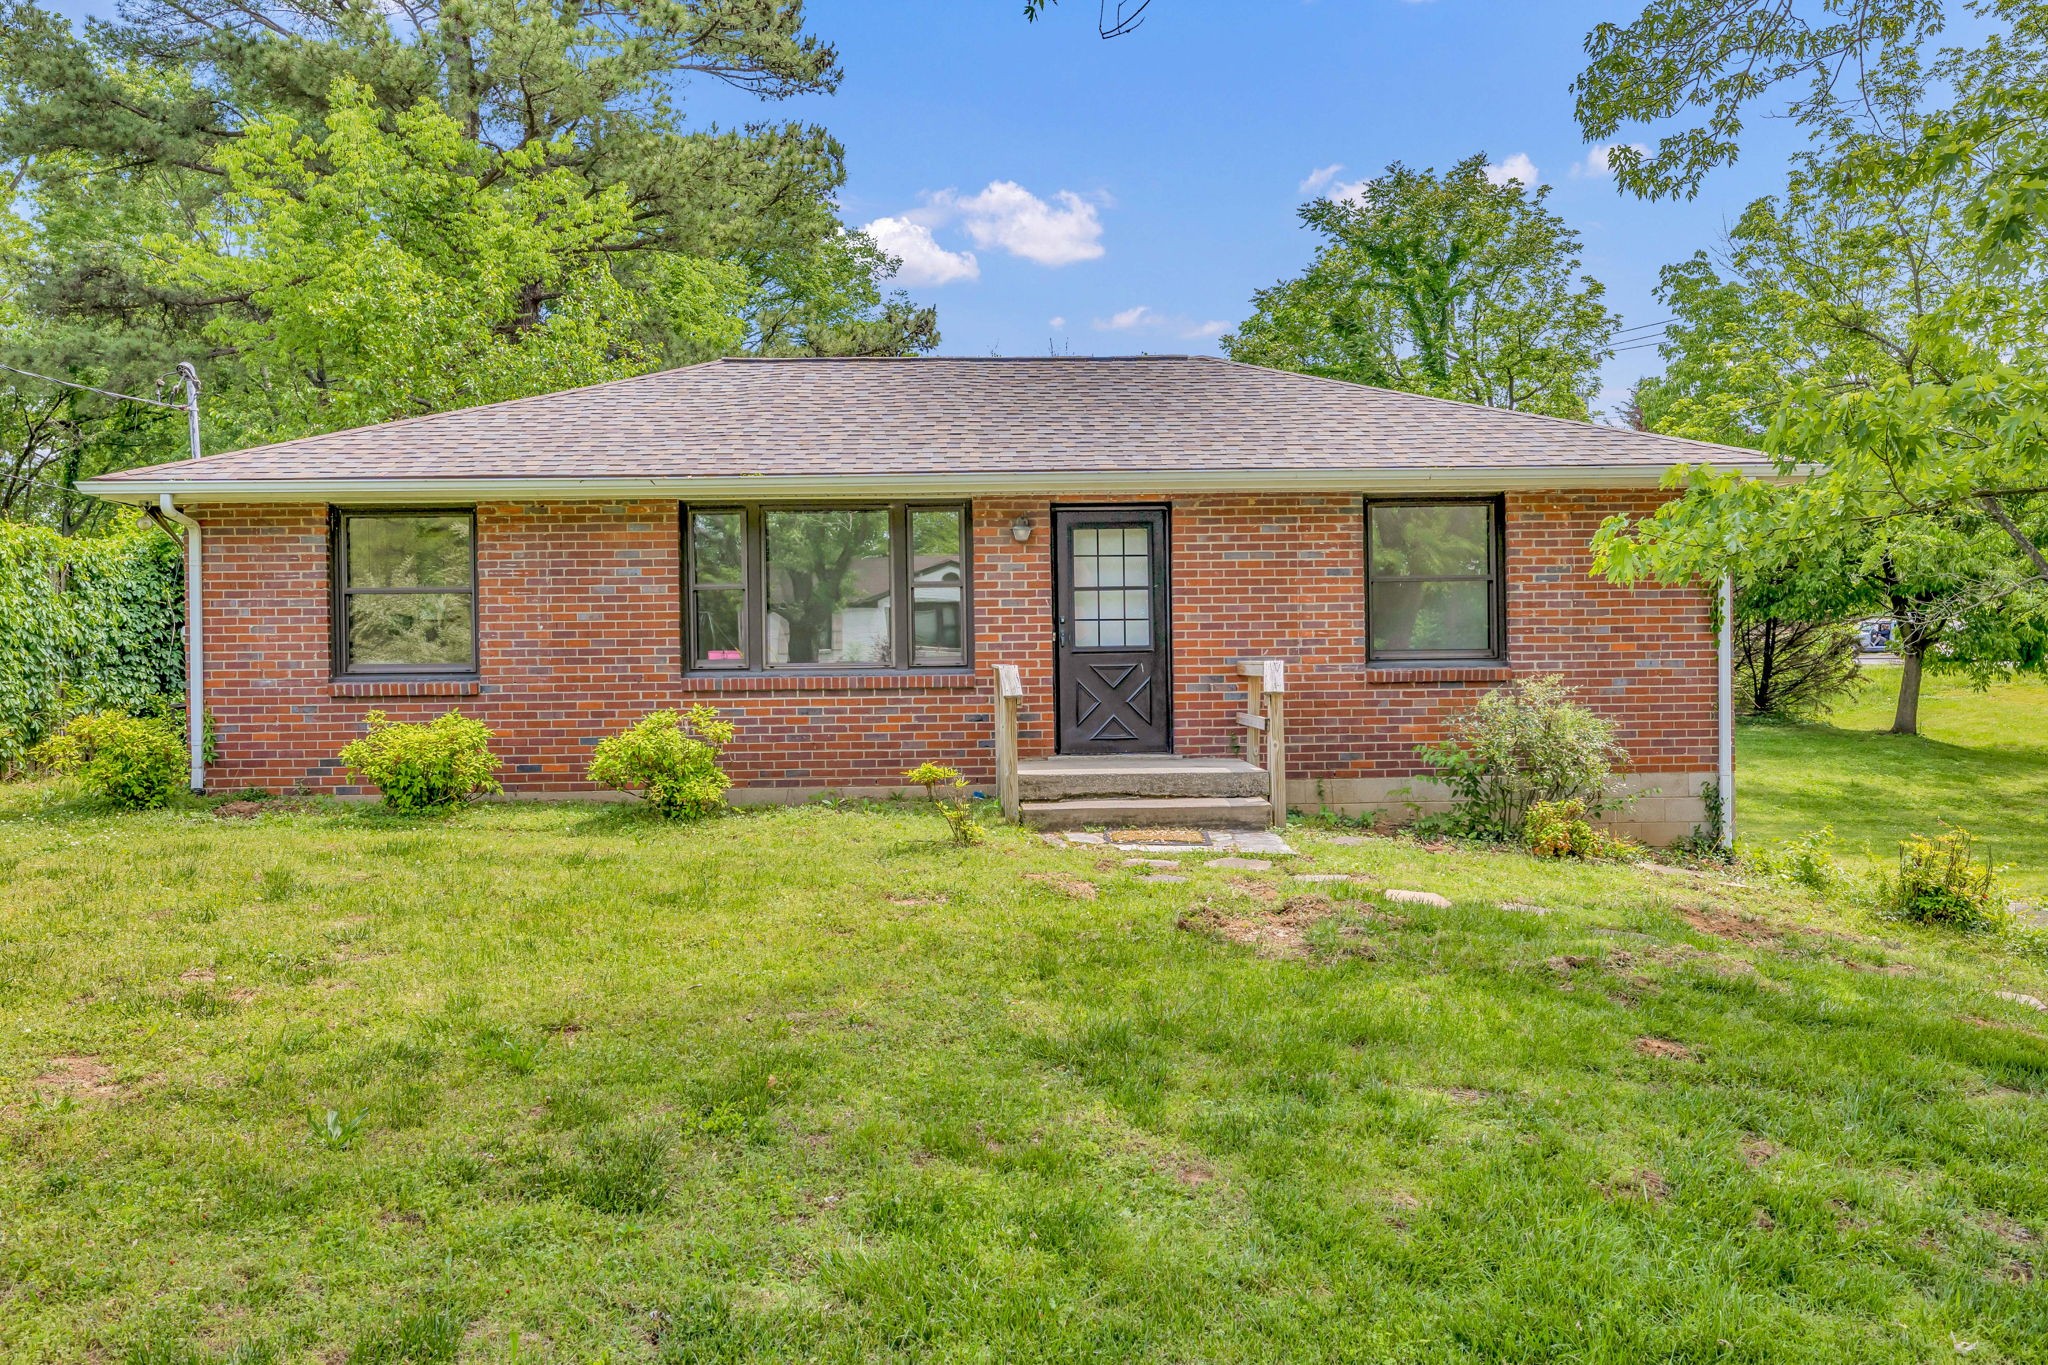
{"type": "Point", "coordinates": [405, 687]}
{"type": "Point", "coordinates": [1452, 673]}
{"type": "Point", "coordinates": [832, 682]}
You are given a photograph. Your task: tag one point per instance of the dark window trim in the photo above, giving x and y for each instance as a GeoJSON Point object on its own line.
{"type": "Point", "coordinates": [340, 592]}
{"type": "Point", "coordinates": [1496, 579]}
{"type": "Point", "coordinates": [754, 579]}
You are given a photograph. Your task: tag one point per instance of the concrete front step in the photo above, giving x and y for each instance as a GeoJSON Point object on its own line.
{"type": "Point", "coordinates": [1149, 812]}
{"type": "Point", "coordinates": [1076, 777]}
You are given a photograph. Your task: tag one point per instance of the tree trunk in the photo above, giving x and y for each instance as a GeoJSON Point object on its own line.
{"type": "Point", "coordinates": [1906, 720]}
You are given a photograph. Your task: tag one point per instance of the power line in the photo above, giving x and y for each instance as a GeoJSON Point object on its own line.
{"type": "Point", "coordinates": [104, 393]}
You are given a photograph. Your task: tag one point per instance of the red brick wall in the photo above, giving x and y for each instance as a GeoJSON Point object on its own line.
{"type": "Point", "coordinates": [579, 608]}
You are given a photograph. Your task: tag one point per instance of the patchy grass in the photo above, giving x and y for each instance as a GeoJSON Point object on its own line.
{"type": "Point", "coordinates": [558, 1083]}
{"type": "Point", "coordinates": [1980, 761]}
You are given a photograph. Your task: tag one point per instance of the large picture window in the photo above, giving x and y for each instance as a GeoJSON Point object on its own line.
{"type": "Point", "coordinates": [404, 591]}
{"type": "Point", "coordinates": [1433, 580]}
{"type": "Point", "coordinates": [875, 587]}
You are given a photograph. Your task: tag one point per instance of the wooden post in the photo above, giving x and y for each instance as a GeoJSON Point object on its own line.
{"type": "Point", "coordinates": [1265, 685]}
{"type": "Point", "coordinates": [1009, 688]}
{"type": "Point", "coordinates": [1276, 754]}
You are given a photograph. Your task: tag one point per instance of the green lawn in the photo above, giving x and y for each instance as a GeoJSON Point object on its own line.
{"type": "Point", "coordinates": [810, 1085]}
{"type": "Point", "coordinates": [1980, 761]}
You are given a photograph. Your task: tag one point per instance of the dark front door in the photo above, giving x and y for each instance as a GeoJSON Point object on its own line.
{"type": "Point", "coordinates": [1110, 612]}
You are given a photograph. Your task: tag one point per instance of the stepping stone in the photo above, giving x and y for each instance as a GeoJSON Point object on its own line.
{"type": "Point", "coordinates": [2029, 1001]}
{"type": "Point", "coordinates": [1242, 864]}
{"type": "Point", "coordinates": [1150, 862]}
{"type": "Point", "coordinates": [1428, 898]}
{"type": "Point", "coordinates": [1320, 877]}
{"type": "Point", "coordinates": [1162, 878]}
{"type": "Point", "coordinates": [1524, 908]}
{"type": "Point", "coordinates": [1084, 837]}
{"type": "Point", "coordinates": [1053, 840]}
{"type": "Point", "coordinates": [1160, 848]}
{"type": "Point", "coordinates": [1256, 841]}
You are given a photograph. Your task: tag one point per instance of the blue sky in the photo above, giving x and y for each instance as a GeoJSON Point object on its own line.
{"type": "Point", "coordinates": [1130, 195]}
{"type": "Point", "coordinates": [1048, 188]}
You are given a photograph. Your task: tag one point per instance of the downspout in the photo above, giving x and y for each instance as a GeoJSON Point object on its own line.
{"type": "Point", "coordinates": [1725, 691]}
{"type": "Point", "coordinates": [195, 644]}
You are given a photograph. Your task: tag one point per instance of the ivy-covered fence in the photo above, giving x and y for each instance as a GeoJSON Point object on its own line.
{"type": "Point", "coordinates": [86, 624]}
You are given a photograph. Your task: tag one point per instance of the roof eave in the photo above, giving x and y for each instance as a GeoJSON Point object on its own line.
{"type": "Point", "coordinates": [139, 487]}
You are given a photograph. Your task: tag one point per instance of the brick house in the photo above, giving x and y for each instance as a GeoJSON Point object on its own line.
{"type": "Point", "coordinates": [1131, 562]}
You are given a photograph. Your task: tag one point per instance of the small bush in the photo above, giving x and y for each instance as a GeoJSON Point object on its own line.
{"type": "Point", "coordinates": [1941, 882]}
{"type": "Point", "coordinates": [954, 807]}
{"type": "Point", "coordinates": [1560, 829]}
{"type": "Point", "coordinates": [1522, 744]}
{"type": "Point", "coordinates": [135, 762]}
{"type": "Point", "coordinates": [1807, 861]}
{"type": "Point", "coordinates": [427, 767]}
{"type": "Point", "coordinates": [669, 761]}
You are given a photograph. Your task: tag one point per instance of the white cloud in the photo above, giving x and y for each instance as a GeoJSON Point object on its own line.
{"type": "Point", "coordinates": [1145, 318]}
{"type": "Point", "coordinates": [1008, 216]}
{"type": "Point", "coordinates": [1595, 166]}
{"type": "Point", "coordinates": [1057, 324]}
{"type": "Point", "coordinates": [1141, 316]}
{"type": "Point", "coordinates": [924, 260]}
{"type": "Point", "coordinates": [1517, 167]}
{"type": "Point", "coordinates": [1320, 176]}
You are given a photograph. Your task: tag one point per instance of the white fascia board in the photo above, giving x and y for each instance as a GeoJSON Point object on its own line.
{"type": "Point", "coordinates": [766, 487]}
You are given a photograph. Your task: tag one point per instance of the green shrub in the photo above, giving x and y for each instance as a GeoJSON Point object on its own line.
{"type": "Point", "coordinates": [954, 807]}
{"type": "Point", "coordinates": [136, 762]}
{"type": "Point", "coordinates": [425, 767]}
{"type": "Point", "coordinates": [1560, 829]}
{"type": "Point", "coordinates": [1520, 745]}
{"type": "Point", "coordinates": [669, 761]}
{"type": "Point", "coordinates": [1807, 861]}
{"type": "Point", "coordinates": [1941, 882]}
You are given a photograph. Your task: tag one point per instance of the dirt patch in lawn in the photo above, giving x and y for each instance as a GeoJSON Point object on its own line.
{"type": "Point", "coordinates": [1665, 1048]}
{"type": "Point", "coordinates": [1647, 1184]}
{"type": "Point", "coordinates": [1756, 1151]}
{"type": "Point", "coordinates": [1712, 919]}
{"type": "Point", "coordinates": [249, 810]}
{"type": "Point", "coordinates": [79, 1075]}
{"type": "Point", "coordinates": [1274, 930]}
{"type": "Point", "coordinates": [1073, 888]}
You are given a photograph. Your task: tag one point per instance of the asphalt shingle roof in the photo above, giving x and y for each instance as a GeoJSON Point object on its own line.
{"type": "Point", "coordinates": [945, 416]}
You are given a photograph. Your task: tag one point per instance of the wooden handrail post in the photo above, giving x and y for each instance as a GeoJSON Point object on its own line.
{"type": "Point", "coordinates": [1009, 688]}
{"type": "Point", "coordinates": [1266, 714]}
{"type": "Point", "coordinates": [1276, 755]}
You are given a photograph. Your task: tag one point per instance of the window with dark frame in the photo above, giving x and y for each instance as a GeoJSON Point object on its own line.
{"type": "Point", "coordinates": [850, 588]}
{"type": "Point", "coordinates": [404, 591]}
{"type": "Point", "coordinates": [1433, 580]}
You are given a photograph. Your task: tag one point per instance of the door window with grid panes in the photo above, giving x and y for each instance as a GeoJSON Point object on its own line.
{"type": "Point", "coordinates": [1113, 587]}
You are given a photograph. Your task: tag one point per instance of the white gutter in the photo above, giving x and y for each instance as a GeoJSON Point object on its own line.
{"type": "Point", "coordinates": [1725, 690]}
{"type": "Point", "coordinates": [138, 486]}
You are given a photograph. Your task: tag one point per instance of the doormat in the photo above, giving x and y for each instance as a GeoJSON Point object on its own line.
{"type": "Point", "coordinates": [1157, 836]}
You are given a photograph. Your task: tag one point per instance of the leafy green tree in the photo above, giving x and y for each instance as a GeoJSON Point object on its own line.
{"type": "Point", "coordinates": [377, 274]}
{"type": "Point", "coordinates": [134, 147]}
{"type": "Point", "coordinates": [1713, 61]}
{"type": "Point", "coordinates": [173, 84]}
{"type": "Point", "coordinates": [1450, 285]}
{"type": "Point", "coordinates": [1855, 321]}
